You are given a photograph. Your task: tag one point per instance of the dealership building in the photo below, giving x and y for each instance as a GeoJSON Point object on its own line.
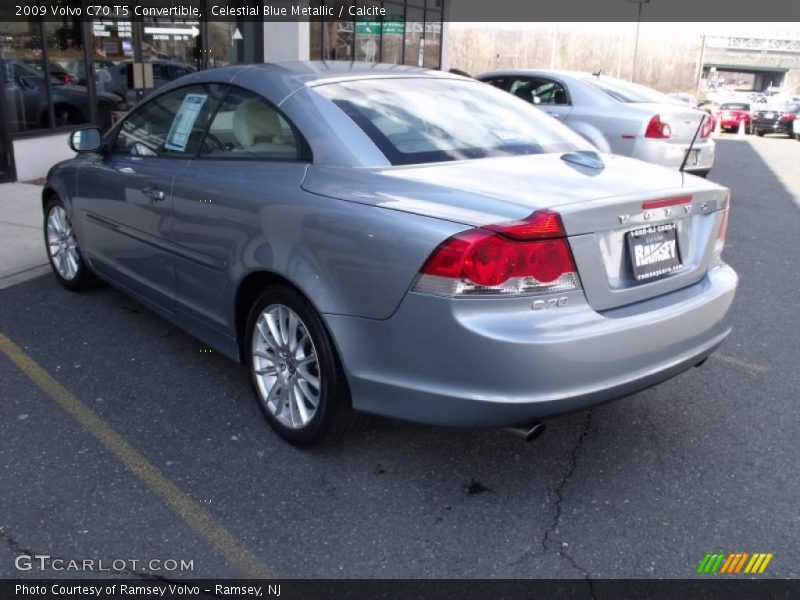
{"type": "Point", "coordinates": [98, 66]}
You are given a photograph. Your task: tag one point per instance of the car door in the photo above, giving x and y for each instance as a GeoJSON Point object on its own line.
{"type": "Point", "coordinates": [250, 165]}
{"type": "Point", "coordinates": [544, 93]}
{"type": "Point", "coordinates": [124, 197]}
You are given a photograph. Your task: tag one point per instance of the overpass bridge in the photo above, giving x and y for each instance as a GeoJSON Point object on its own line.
{"type": "Point", "coordinates": [759, 62]}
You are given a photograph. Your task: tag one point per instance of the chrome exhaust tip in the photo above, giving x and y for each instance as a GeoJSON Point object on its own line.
{"type": "Point", "coordinates": [527, 432]}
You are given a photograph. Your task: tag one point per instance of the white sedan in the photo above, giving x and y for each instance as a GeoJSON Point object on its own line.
{"type": "Point", "coordinates": [616, 116]}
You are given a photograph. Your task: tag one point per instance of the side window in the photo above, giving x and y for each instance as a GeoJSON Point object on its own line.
{"type": "Point", "coordinates": [498, 82]}
{"type": "Point", "coordinates": [550, 92]}
{"type": "Point", "coordinates": [522, 87]}
{"type": "Point", "coordinates": [247, 126]}
{"type": "Point", "coordinates": [172, 124]}
{"type": "Point", "coordinates": [539, 91]}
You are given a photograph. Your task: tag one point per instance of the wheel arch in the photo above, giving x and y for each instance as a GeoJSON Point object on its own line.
{"type": "Point", "coordinates": [248, 290]}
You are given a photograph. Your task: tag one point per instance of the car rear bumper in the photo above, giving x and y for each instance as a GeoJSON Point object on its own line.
{"type": "Point", "coordinates": [774, 126]}
{"type": "Point", "coordinates": [670, 154]}
{"type": "Point", "coordinates": [496, 362]}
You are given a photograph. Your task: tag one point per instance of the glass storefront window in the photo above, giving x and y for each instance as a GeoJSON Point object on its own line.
{"type": "Point", "coordinates": [337, 36]}
{"type": "Point", "coordinates": [414, 39]}
{"type": "Point", "coordinates": [173, 48]}
{"type": "Point", "coordinates": [66, 64]}
{"type": "Point", "coordinates": [368, 35]}
{"type": "Point", "coordinates": [433, 40]}
{"type": "Point", "coordinates": [394, 28]}
{"type": "Point", "coordinates": [221, 44]}
{"type": "Point", "coordinates": [113, 53]}
{"type": "Point", "coordinates": [26, 105]}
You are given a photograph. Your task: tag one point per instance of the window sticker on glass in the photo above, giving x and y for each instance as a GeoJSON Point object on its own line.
{"type": "Point", "coordinates": [183, 124]}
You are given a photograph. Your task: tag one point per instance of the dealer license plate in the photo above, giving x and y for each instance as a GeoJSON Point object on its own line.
{"type": "Point", "coordinates": [691, 160]}
{"type": "Point", "coordinates": [654, 251]}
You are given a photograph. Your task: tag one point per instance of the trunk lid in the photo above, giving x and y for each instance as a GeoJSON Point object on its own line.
{"type": "Point", "coordinates": [683, 121]}
{"type": "Point", "coordinates": [598, 208]}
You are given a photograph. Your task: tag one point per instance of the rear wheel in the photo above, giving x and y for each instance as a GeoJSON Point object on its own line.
{"type": "Point", "coordinates": [296, 374]}
{"type": "Point", "coordinates": [62, 249]}
{"type": "Point", "coordinates": [759, 133]}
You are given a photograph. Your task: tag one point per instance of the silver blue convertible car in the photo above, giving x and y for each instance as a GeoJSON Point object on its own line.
{"type": "Point", "coordinates": [394, 241]}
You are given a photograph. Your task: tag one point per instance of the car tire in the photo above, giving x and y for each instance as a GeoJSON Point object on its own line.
{"type": "Point", "coordinates": [759, 133]}
{"type": "Point", "coordinates": [295, 372]}
{"type": "Point", "coordinates": [63, 251]}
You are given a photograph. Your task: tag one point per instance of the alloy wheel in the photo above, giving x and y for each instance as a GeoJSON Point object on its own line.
{"type": "Point", "coordinates": [61, 243]}
{"type": "Point", "coordinates": [286, 366]}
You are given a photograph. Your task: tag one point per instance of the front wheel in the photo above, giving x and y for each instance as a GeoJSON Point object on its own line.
{"type": "Point", "coordinates": [296, 374]}
{"type": "Point", "coordinates": [62, 249]}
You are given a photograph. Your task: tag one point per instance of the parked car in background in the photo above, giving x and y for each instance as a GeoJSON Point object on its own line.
{"type": "Point", "coordinates": [686, 99]}
{"type": "Point", "coordinates": [776, 118]}
{"type": "Point", "coordinates": [616, 116]}
{"type": "Point", "coordinates": [26, 106]}
{"type": "Point", "coordinates": [55, 70]}
{"type": "Point", "coordinates": [731, 115]}
{"type": "Point", "coordinates": [396, 241]}
{"type": "Point", "coordinates": [163, 72]}
{"type": "Point", "coordinates": [102, 73]}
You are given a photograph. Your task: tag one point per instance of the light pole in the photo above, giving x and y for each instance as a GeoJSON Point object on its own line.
{"type": "Point", "coordinates": [636, 43]}
{"type": "Point", "coordinates": [554, 49]}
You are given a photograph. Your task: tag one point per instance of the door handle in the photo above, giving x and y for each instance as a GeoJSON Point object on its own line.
{"type": "Point", "coordinates": [153, 193]}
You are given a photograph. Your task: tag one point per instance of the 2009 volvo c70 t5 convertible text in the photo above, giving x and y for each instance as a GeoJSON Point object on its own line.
{"type": "Point", "coordinates": [386, 240]}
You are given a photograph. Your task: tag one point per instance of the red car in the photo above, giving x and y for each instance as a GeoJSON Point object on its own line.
{"type": "Point", "coordinates": [731, 114]}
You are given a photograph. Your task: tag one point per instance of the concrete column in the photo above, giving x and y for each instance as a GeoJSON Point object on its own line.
{"type": "Point", "coordinates": [286, 41]}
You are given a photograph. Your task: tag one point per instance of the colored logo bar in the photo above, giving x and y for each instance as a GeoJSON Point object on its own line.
{"type": "Point", "coordinates": [737, 562]}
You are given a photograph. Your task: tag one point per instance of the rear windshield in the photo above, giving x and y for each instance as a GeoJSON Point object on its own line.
{"type": "Point", "coordinates": [734, 106]}
{"type": "Point", "coordinates": [414, 121]}
{"type": "Point", "coordinates": [629, 93]}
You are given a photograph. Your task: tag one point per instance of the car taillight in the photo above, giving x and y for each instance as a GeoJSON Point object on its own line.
{"type": "Point", "coordinates": [756, 115]}
{"type": "Point", "coordinates": [719, 244]}
{"type": "Point", "coordinates": [787, 117]}
{"type": "Point", "coordinates": [531, 256]}
{"type": "Point", "coordinates": [656, 128]}
{"type": "Point", "coordinates": [707, 128]}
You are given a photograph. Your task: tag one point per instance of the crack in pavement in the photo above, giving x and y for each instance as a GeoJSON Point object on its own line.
{"type": "Point", "coordinates": [18, 550]}
{"type": "Point", "coordinates": [563, 551]}
{"type": "Point", "coordinates": [559, 493]}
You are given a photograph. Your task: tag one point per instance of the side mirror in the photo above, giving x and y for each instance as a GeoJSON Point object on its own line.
{"type": "Point", "coordinates": [85, 140]}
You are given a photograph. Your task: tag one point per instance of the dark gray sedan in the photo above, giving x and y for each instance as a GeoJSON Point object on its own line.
{"type": "Point", "coordinates": [387, 240]}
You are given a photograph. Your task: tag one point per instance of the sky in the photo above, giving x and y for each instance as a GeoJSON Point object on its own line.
{"type": "Point", "coordinates": [672, 31]}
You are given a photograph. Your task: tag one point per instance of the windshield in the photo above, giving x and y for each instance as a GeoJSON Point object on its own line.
{"type": "Point", "coordinates": [425, 120]}
{"type": "Point", "coordinates": [624, 91]}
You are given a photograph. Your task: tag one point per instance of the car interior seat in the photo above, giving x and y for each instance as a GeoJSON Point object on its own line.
{"type": "Point", "coordinates": [258, 130]}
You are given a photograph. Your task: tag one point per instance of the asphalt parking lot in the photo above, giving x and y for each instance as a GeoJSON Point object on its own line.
{"type": "Point", "coordinates": [172, 459]}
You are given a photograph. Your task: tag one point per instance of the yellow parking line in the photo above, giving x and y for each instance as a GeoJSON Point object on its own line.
{"type": "Point", "coordinates": [221, 540]}
{"type": "Point", "coordinates": [738, 362]}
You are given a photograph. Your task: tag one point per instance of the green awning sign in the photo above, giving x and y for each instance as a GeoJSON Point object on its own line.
{"type": "Point", "coordinates": [392, 25]}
